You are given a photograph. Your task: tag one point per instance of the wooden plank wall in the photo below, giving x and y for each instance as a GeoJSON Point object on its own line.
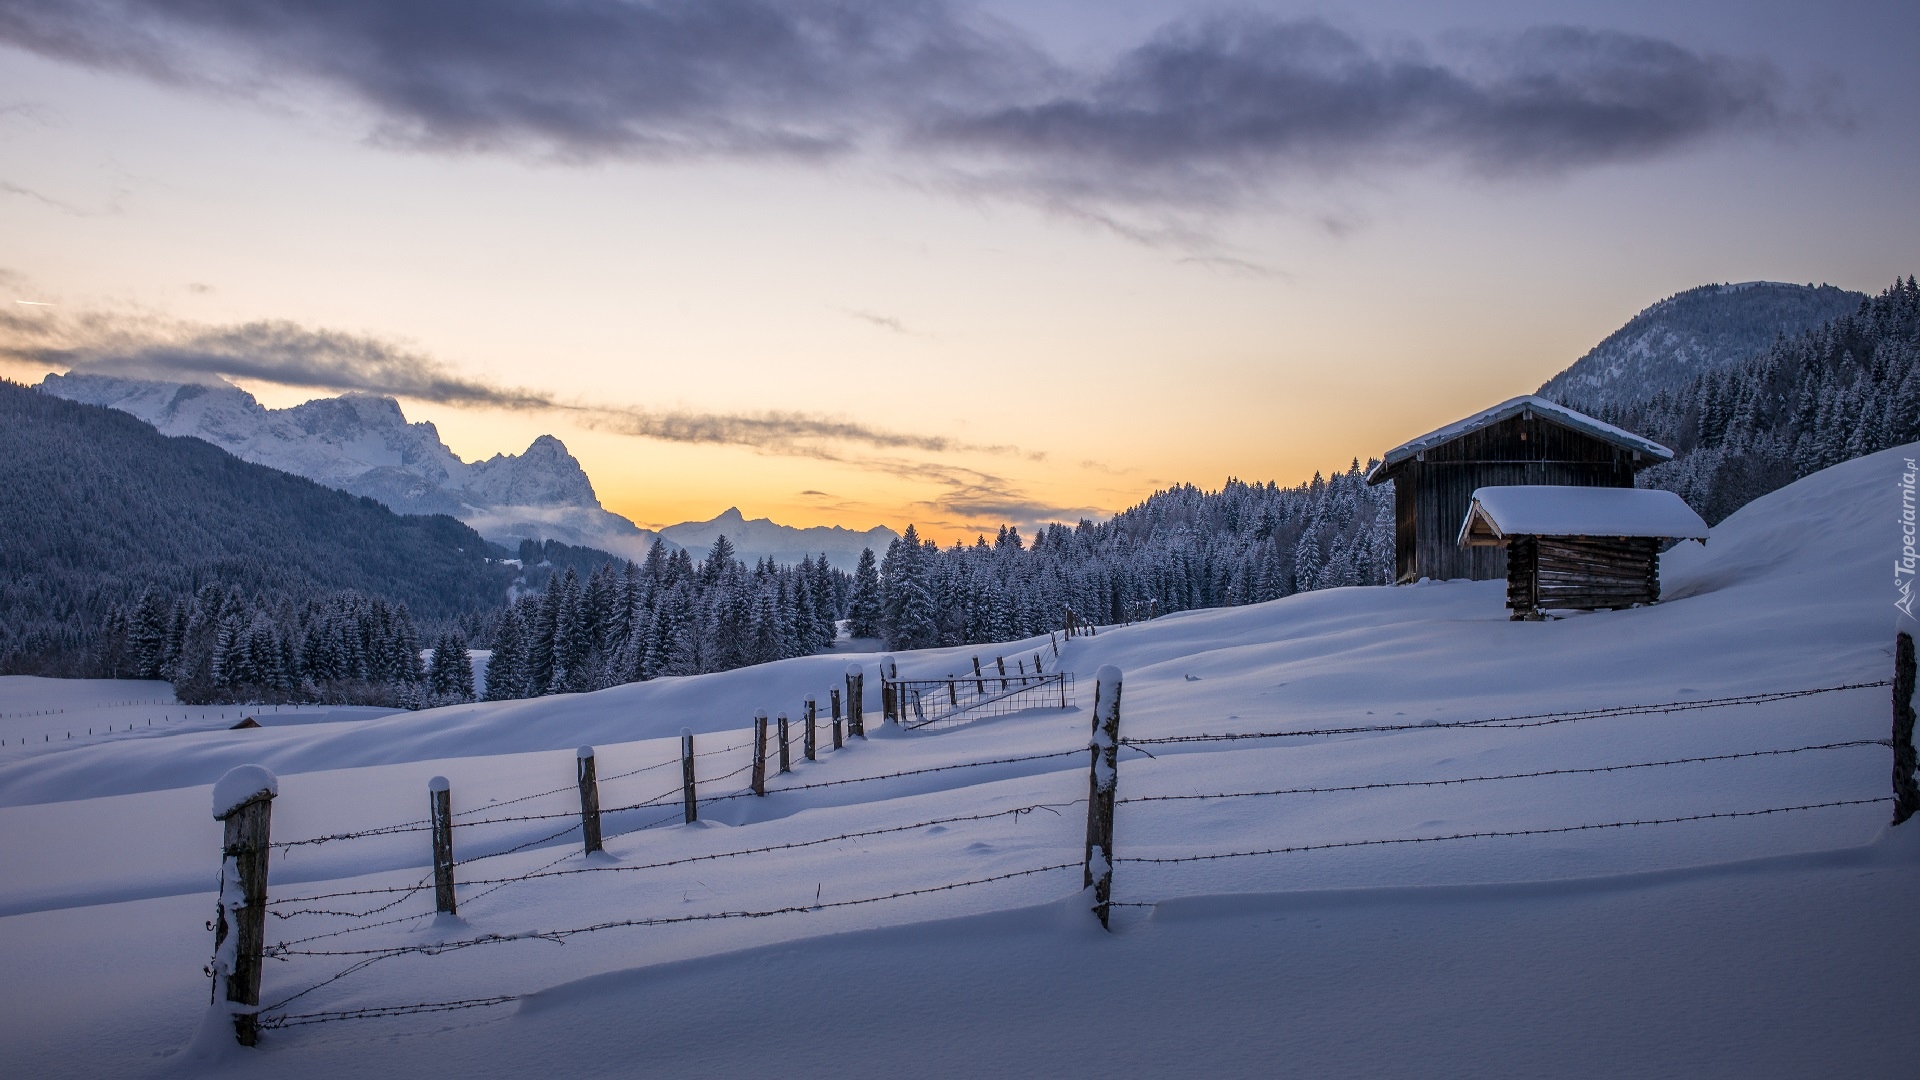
{"type": "Point", "coordinates": [1582, 572]}
{"type": "Point", "coordinates": [1431, 496]}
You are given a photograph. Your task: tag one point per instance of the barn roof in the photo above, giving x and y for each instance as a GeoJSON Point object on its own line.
{"type": "Point", "coordinates": [1554, 411]}
{"type": "Point", "coordinates": [1553, 510]}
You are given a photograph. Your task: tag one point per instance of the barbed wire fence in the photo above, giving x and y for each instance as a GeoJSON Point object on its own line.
{"type": "Point", "coordinates": [367, 909]}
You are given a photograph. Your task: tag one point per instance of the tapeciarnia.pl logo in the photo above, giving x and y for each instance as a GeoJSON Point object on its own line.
{"type": "Point", "coordinates": [1903, 567]}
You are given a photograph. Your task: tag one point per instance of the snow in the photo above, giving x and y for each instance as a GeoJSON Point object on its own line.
{"type": "Point", "coordinates": [1553, 510]}
{"type": "Point", "coordinates": [1745, 947]}
{"type": "Point", "coordinates": [583, 752]}
{"type": "Point", "coordinates": [241, 785]}
{"type": "Point", "coordinates": [1578, 421]}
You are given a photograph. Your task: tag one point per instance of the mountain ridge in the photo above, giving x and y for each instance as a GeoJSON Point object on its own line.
{"type": "Point", "coordinates": [364, 444]}
{"type": "Point", "coordinates": [100, 506]}
{"type": "Point", "coordinates": [756, 538]}
{"type": "Point", "coordinates": [1705, 328]}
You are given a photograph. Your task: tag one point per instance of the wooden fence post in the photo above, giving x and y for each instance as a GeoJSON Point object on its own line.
{"type": "Point", "coordinates": [786, 764]}
{"type": "Point", "coordinates": [836, 719]}
{"type": "Point", "coordinates": [892, 706]}
{"type": "Point", "coordinates": [243, 802]}
{"type": "Point", "coordinates": [1101, 781]}
{"type": "Point", "coordinates": [1001, 663]}
{"type": "Point", "coordinates": [589, 799]}
{"type": "Point", "coordinates": [440, 805]}
{"type": "Point", "coordinates": [1906, 793]}
{"type": "Point", "coordinates": [760, 752]}
{"type": "Point", "coordinates": [1056, 642]}
{"type": "Point", "coordinates": [979, 688]}
{"type": "Point", "coordinates": [806, 745]}
{"type": "Point", "coordinates": [686, 775]}
{"type": "Point", "coordinates": [856, 700]}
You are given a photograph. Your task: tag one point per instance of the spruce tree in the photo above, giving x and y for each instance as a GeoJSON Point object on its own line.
{"type": "Point", "coordinates": [864, 611]}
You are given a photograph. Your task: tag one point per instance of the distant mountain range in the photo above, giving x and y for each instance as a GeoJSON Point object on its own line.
{"type": "Point", "coordinates": [1691, 332]}
{"type": "Point", "coordinates": [364, 444]}
{"type": "Point", "coordinates": [760, 538]}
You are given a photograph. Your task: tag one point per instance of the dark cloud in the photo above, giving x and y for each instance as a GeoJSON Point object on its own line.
{"type": "Point", "coordinates": [578, 78]}
{"type": "Point", "coordinates": [272, 351]}
{"type": "Point", "coordinates": [1213, 109]}
{"type": "Point", "coordinates": [800, 434]}
{"type": "Point", "coordinates": [288, 354]}
{"type": "Point", "coordinates": [1206, 112]}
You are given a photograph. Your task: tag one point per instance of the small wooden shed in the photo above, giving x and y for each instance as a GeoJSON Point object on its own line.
{"type": "Point", "coordinates": [1527, 440]}
{"type": "Point", "coordinates": [1579, 547]}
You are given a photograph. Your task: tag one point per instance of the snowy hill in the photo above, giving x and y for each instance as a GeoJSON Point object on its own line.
{"type": "Point", "coordinates": [1702, 329]}
{"type": "Point", "coordinates": [1406, 893]}
{"type": "Point", "coordinates": [785, 544]}
{"type": "Point", "coordinates": [364, 444]}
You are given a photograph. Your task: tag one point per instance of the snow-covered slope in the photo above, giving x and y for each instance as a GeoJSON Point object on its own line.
{"type": "Point", "coordinates": [1744, 946]}
{"type": "Point", "coordinates": [763, 538]}
{"type": "Point", "coordinates": [364, 444]}
{"type": "Point", "coordinates": [1698, 330]}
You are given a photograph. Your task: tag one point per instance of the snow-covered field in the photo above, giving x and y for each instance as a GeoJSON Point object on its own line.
{"type": "Point", "coordinates": [46, 715]}
{"type": "Point", "coordinates": [1765, 945]}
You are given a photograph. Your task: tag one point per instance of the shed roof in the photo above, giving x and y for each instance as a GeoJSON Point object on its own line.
{"type": "Point", "coordinates": [1553, 510]}
{"type": "Point", "coordinates": [1554, 411]}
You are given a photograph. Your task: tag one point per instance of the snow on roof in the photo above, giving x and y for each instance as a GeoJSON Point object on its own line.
{"type": "Point", "coordinates": [1552, 510]}
{"type": "Point", "coordinates": [1578, 421]}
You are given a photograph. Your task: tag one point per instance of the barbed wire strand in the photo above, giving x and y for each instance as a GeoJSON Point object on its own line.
{"type": "Point", "coordinates": [1509, 776]}
{"type": "Point", "coordinates": [1528, 720]}
{"type": "Point", "coordinates": [378, 1011]}
{"type": "Point", "coordinates": [1496, 833]}
{"type": "Point", "coordinates": [560, 936]}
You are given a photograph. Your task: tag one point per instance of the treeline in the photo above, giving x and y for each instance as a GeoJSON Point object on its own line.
{"type": "Point", "coordinates": [667, 615]}
{"type": "Point", "coordinates": [221, 646]}
{"type": "Point", "coordinates": [1182, 548]}
{"type": "Point", "coordinates": [1844, 390]}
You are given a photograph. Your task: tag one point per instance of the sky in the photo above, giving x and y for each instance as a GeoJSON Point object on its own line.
{"type": "Point", "coordinates": [935, 261]}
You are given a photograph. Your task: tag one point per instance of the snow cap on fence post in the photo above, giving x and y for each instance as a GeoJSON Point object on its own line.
{"type": "Point", "coordinates": [241, 785]}
{"type": "Point", "coordinates": [583, 752]}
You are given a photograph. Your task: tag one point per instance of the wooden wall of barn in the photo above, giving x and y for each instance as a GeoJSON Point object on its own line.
{"type": "Point", "coordinates": [1431, 496]}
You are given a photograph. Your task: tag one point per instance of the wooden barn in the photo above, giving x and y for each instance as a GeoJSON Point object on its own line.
{"type": "Point", "coordinates": [1528, 440]}
{"type": "Point", "coordinates": [1579, 547]}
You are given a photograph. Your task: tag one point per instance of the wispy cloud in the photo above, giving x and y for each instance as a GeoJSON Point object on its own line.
{"type": "Point", "coordinates": [884, 322]}
{"type": "Point", "coordinates": [21, 192]}
{"type": "Point", "coordinates": [288, 354]}
{"type": "Point", "coordinates": [1205, 113]}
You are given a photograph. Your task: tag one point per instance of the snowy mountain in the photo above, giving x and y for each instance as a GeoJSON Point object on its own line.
{"type": "Point", "coordinates": [364, 444]}
{"type": "Point", "coordinates": [1702, 329]}
{"type": "Point", "coordinates": [761, 537]}
{"type": "Point", "coordinates": [99, 506]}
